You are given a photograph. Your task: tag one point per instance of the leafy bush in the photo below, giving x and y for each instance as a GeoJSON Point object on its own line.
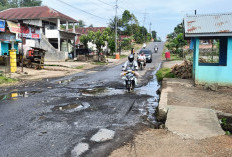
{"type": "Point", "coordinates": [164, 73]}
{"type": "Point", "coordinates": [126, 45]}
{"type": "Point", "coordinates": [4, 79]}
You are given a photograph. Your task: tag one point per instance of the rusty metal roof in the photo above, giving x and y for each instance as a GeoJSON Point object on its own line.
{"type": "Point", "coordinates": [208, 25]}
{"type": "Point", "coordinates": [86, 30]}
{"type": "Point", "coordinates": [40, 12]}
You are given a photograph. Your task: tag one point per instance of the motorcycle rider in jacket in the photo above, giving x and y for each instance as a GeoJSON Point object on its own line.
{"type": "Point", "coordinates": [131, 64]}
{"type": "Point", "coordinates": [142, 57]}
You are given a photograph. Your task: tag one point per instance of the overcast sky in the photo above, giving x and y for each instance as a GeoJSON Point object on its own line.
{"type": "Point", "coordinates": [163, 14]}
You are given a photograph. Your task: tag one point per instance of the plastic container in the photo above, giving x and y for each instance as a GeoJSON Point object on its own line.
{"type": "Point", "coordinates": [117, 56]}
{"type": "Point", "coordinates": [167, 55]}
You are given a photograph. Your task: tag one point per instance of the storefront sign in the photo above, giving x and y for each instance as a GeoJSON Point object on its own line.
{"type": "Point", "coordinates": [30, 32]}
{"type": "Point", "coordinates": [2, 25]}
{"type": "Point", "coordinates": [7, 37]}
{"type": "Point", "coordinates": [14, 27]}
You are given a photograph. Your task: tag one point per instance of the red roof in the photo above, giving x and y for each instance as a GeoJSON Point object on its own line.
{"type": "Point", "coordinates": [86, 30]}
{"type": "Point", "coordinates": [39, 12]}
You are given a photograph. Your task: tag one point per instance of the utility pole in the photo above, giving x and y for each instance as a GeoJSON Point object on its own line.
{"type": "Point", "coordinates": [116, 25]}
{"type": "Point", "coordinates": [144, 19]}
{"type": "Point", "coordinates": [150, 29]}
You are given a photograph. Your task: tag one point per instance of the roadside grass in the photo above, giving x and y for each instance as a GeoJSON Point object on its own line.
{"type": "Point", "coordinates": [99, 63]}
{"type": "Point", "coordinates": [80, 67]}
{"type": "Point", "coordinates": [164, 73]}
{"type": "Point", "coordinates": [137, 46]}
{"type": "Point", "coordinates": [6, 80]}
{"type": "Point", "coordinates": [123, 56]}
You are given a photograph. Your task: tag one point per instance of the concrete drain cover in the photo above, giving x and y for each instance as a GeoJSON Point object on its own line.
{"type": "Point", "coordinates": [79, 149]}
{"type": "Point", "coordinates": [103, 135]}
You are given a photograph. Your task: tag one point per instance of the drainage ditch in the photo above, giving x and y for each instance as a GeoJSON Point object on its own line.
{"type": "Point", "coordinates": [226, 123]}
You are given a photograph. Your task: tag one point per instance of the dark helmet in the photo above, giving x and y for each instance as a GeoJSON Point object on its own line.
{"type": "Point", "coordinates": [131, 58]}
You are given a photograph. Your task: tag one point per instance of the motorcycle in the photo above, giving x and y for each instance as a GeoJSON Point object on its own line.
{"type": "Point", "coordinates": [141, 64]}
{"type": "Point", "coordinates": [156, 49]}
{"type": "Point", "coordinates": [129, 79]}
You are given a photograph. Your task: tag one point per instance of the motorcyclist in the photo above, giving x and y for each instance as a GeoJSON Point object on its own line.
{"type": "Point", "coordinates": [142, 57]}
{"type": "Point", "coordinates": [131, 64]}
{"type": "Point", "coordinates": [156, 48]}
{"type": "Point", "coordinates": [144, 45]}
{"type": "Point", "coordinates": [132, 51]}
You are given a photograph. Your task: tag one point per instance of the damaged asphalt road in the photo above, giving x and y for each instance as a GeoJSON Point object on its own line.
{"type": "Point", "coordinates": [87, 114]}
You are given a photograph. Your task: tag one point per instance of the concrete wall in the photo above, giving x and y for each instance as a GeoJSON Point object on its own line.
{"type": "Point", "coordinates": [52, 54]}
{"type": "Point", "coordinates": [215, 73]}
{"type": "Point", "coordinates": [51, 33]}
{"type": "Point", "coordinates": [33, 22]}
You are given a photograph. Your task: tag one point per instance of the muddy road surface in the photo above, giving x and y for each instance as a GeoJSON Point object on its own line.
{"type": "Point", "coordinates": [85, 114]}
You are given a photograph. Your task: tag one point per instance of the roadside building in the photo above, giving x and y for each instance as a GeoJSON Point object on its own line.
{"type": "Point", "coordinates": [43, 28]}
{"type": "Point", "coordinates": [217, 27]}
{"type": "Point", "coordinates": [9, 37]}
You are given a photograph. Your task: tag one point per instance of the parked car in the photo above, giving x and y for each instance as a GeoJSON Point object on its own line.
{"type": "Point", "coordinates": [147, 53]}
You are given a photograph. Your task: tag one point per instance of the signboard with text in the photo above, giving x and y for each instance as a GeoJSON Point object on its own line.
{"type": "Point", "coordinates": [14, 27]}
{"type": "Point", "coordinates": [2, 25]}
{"type": "Point", "coordinates": [30, 32]}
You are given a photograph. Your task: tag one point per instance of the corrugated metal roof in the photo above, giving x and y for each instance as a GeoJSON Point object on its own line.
{"type": "Point", "coordinates": [86, 30]}
{"type": "Point", "coordinates": [39, 12]}
{"type": "Point", "coordinates": [208, 25]}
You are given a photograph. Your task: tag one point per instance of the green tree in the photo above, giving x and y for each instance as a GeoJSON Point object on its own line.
{"type": "Point", "coordinates": [5, 4]}
{"type": "Point", "coordinates": [176, 39]}
{"type": "Point", "coordinates": [84, 40]}
{"type": "Point", "coordinates": [81, 23]}
{"type": "Point", "coordinates": [100, 39]}
{"type": "Point", "coordinates": [30, 3]}
{"type": "Point", "coordinates": [176, 43]}
{"type": "Point", "coordinates": [111, 40]}
{"type": "Point", "coordinates": [154, 35]}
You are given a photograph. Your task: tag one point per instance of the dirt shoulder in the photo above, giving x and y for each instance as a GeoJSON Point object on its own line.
{"type": "Point", "coordinates": [163, 143]}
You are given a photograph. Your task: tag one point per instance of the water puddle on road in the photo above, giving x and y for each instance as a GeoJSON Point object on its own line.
{"type": "Point", "coordinates": [101, 91]}
{"type": "Point", "coordinates": [149, 108]}
{"type": "Point", "coordinates": [71, 107]}
{"type": "Point", "coordinates": [17, 94]}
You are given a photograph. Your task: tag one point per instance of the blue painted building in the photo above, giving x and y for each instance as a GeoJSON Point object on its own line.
{"type": "Point", "coordinates": [205, 27]}
{"type": "Point", "coordinates": [8, 37]}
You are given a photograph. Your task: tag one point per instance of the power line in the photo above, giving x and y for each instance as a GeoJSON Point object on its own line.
{"type": "Point", "coordinates": [82, 10]}
{"type": "Point", "coordinates": [97, 4]}
{"type": "Point", "coordinates": [105, 3]}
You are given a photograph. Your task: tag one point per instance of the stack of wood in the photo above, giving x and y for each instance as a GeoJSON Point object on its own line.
{"type": "Point", "coordinates": [202, 60]}
{"type": "Point", "coordinates": [184, 70]}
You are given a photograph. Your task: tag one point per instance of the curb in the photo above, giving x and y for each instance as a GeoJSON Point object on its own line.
{"type": "Point", "coordinates": [163, 103]}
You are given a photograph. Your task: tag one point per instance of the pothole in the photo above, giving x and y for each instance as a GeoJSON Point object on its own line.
{"type": "Point", "coordinates": [101, 91]}
{"type": "Point", "coordinates": [66, 107]}
{"type": "Point", "coordinates": [71, 107]}
{"type": "Point", "coordinates": [17, 94]}
{"type": "Point", "coordinates": [93, 91]}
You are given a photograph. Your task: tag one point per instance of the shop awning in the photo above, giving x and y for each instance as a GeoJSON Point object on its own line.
{"type": "Point", "coordinates": [14, 27]}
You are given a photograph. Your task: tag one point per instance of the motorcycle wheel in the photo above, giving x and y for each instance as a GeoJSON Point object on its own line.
{"type": "Point", "coordinates": [141, 66]}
